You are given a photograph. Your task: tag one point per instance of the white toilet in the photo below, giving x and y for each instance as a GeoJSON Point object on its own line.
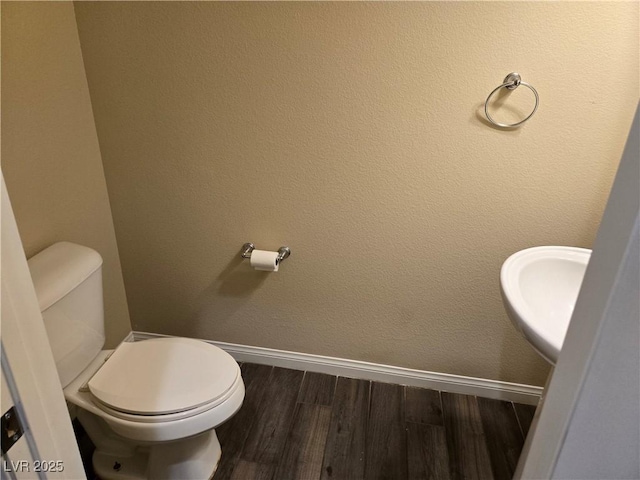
{"type": "Point", "coordinates": [149, 407]}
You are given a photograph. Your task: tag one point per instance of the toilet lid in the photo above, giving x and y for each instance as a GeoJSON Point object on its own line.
{"type": "Point", "coordinates": [163, 375]}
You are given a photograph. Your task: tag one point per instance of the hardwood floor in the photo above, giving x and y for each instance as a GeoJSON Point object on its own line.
{"type": "Point", "coordinates": [297, 425]}
{"type": "Point", "coordinates": [466, 441]}
{"type": "Point", "coordinates": [345, 447]}
{"type": "Point", "coordinates": [306, 426]}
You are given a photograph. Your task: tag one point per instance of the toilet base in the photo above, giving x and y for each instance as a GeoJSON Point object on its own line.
{"type": "Point", "coordinates": [108, 466]}
{"type": "Point", "coordinates": [194, 458]}
{"type": "Point", "coordinates": [117, 458]}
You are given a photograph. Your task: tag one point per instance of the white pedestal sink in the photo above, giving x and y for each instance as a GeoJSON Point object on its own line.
{"type": "Point", "coordinates": [539, 287]}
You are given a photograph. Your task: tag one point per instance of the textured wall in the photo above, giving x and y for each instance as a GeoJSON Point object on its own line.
{"type": "Point", "coordinates": [50, 154]}
{"type": "Point", "coordinates": [351, 132]}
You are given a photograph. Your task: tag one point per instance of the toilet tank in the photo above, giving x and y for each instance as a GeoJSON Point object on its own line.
{"type": "Point", "coordinates": [68, 283]}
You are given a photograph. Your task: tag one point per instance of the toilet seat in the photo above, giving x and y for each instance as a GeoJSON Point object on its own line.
{"type": "Point", "coordinates": [134, 427]}
{"type": "Point", "coordinates": [163, 379]}
{"type": "Point", "coordinates": [169, 417]}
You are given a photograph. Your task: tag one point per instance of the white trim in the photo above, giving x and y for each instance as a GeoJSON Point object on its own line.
{"type": "Point", "coordinates": [480, 387]}
{"type": "Point", "coordinates": [28, 366]}
{"type": "Point", "coordinates": [129, 338]}
{"type": "Point", "coordinates": [574, 434]}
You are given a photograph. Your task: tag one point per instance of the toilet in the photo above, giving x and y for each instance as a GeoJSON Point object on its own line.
{"type": "Point", "coordinates": [150, 407]}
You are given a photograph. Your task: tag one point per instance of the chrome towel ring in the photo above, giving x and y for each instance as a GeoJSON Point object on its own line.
{"type": "Point", "coordinates": [511, 82]}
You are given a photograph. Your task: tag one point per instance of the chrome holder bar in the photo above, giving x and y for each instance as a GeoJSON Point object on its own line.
{"type": "Point", "coordinates": [283, 252]}
{"type": "Point", "coordinates": [247, 248]}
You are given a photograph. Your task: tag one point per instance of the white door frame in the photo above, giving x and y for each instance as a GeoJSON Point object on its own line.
{"type": "Point", "coordinates": [28, 364]}
{"type": "Point", "coordinates": [588, 424]}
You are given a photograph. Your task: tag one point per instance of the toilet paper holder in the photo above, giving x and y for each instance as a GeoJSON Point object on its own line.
{"type": "Point", "coordinates": [247, 248]}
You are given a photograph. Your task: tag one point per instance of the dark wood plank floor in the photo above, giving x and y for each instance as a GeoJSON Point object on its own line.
{"type": "Point", "coordinates": [310, 426]}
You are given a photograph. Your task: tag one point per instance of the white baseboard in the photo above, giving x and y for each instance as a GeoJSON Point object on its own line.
{"type": "Point", "coordinates": [131, 336]}
{"type": "Point", "coordinates": [481, 387]}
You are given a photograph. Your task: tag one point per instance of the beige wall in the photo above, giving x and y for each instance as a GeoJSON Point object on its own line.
{"type": "Point", "coordinates": [50, 153]}
{"type": "Point", "coordinates": [351, 132]}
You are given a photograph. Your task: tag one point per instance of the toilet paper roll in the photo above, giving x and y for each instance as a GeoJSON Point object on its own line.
{"type": "Point", "coordinates": [264, 260]}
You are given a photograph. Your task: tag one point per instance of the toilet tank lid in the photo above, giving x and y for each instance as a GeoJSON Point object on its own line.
{"type": "Point", "coordinates": [60, 268]}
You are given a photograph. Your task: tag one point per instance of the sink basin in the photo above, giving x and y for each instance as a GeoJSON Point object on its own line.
{"type": "Point", "coordinates": [539, 287]}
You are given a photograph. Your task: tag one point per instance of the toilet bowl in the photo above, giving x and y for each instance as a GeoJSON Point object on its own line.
{"type": "Point", "coordinates": [119, 408]}
{"type": "Point", "coordinates": [150, 407]}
